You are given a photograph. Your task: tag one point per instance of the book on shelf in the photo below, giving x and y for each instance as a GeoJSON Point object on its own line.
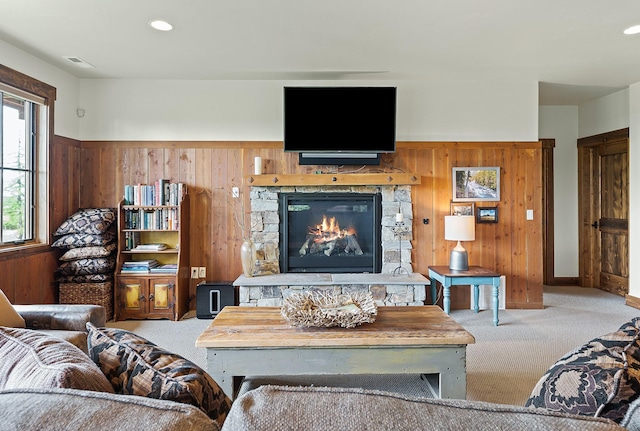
{"type": "Point", "coordinates": [150, 247]}
{"type": "Point", "coordinates": [147, 263]}
{"type": "Point", "coordinates": [169, 268]}
{"type": "Point", "coordinates": [160, 193]}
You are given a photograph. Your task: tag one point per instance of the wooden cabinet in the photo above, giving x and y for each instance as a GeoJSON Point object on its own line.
{"type": "Point", "coordinates": [154, 293]}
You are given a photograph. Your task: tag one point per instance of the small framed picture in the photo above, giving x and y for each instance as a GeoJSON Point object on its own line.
{"type": "Point", "coordinates": [487, 215]}
{"type": "Point", "coordinates": [462, 208]}
{"type": "Point", "coordinates": [476, 184]}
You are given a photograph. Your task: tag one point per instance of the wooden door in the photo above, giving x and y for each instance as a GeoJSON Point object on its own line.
{"type": "Point", "coordinates": [604, 211]}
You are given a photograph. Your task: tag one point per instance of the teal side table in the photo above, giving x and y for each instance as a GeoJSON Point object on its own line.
{"type": "Point", "coordinates": [474, 276]}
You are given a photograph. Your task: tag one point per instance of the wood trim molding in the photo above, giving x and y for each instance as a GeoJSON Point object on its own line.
{"type": "Point", "coordinates": [565, 281]}
{"type": "Point", "coordinates": [603, 138]}
{"type": "Point", "coordinates": [333, 180]}
{"type": "Point", "coordinates": [632, 301]}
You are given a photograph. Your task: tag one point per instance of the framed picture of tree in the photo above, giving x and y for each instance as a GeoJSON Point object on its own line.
{"type": "Point", "coordinates": [476, 184]}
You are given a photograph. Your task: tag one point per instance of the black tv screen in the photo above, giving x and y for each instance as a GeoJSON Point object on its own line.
{"type": "Point", "coordinates": [340, 119]}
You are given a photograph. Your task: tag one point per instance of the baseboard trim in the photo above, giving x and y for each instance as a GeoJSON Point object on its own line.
{"type": "Point", "coordinates": [566, 281]}
{"type": "Point", "coordinates": [632, 301]}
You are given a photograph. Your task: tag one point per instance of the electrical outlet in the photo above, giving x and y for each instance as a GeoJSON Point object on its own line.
{"type": "Point", "coordinates": [529, 214]}
{"type": "Point", "coordinates": [194, 272]}
{"type": "Point", "coordinates": [202, 272]}
{"type": "Point", "coordinates": [235, 192]}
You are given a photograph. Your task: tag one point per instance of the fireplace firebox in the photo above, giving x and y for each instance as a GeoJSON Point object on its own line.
{"type": "Point", "coordinates": [332, 232]}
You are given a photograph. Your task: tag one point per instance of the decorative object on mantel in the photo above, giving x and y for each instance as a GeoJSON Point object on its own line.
{"type": "Point", "coordinates": [326, 309]}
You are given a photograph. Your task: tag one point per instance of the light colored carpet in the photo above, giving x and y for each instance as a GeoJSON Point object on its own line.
{"type": "Point", "coordinates": [506, 361]}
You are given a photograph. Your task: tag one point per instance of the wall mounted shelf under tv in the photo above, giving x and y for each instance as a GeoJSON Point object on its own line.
{"type": "Point", "coordinates": [339, 125]}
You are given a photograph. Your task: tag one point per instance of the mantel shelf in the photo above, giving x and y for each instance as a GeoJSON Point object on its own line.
{"type": "Point", "coordinates": [275, 180]}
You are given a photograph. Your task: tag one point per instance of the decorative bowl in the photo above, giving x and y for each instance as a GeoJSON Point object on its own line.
{"type": "Point", "coordinates": [322, 309]}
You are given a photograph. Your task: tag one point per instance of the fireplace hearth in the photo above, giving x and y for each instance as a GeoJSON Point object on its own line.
{"type": "Point", "coordinates": [333, 232]}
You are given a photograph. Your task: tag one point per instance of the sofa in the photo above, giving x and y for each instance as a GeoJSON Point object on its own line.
{"type": "Point", "coordinates": [124, 382]}
{"type": "Point", "coordinates": [73, 373]}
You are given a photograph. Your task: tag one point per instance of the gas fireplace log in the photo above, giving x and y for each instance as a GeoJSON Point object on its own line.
{"type": "Point", "coordinates": [330, 247]}
{"type": "Point", "coordinates": [305, 247]}
{"type": "Point", "coordinates": [353, 246]}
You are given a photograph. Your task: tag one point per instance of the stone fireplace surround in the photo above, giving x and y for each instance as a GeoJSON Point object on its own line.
{"type": "Point", "coordinates": [395, 285]}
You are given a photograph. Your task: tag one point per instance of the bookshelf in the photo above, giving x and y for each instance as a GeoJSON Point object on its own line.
{"type": "Point", "coordinates": [152, 268]}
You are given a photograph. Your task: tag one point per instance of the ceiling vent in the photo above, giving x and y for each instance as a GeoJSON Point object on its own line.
{"type": "Point", "coordinates": [79, 62]}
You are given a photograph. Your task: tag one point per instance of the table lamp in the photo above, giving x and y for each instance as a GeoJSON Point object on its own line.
{"type": "Point", "coordinates": [459, 228]}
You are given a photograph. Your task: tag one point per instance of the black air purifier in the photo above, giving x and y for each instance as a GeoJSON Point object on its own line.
{"type": "Point", "coordinates": [212, 297]}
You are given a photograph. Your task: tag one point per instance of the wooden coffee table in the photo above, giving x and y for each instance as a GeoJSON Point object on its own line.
{"type": "Point", "coordinates": [257, 341]}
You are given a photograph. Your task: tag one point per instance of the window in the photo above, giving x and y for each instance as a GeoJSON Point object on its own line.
{"type": "Point", "coordinates": [17, 167]}
{"type": "Point", "coordinates": [25, 127]}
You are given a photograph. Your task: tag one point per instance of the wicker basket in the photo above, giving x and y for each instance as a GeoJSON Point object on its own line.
{"type": "Point", "coordinates": [89, 293]}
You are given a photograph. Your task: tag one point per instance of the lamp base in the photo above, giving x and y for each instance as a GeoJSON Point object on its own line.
{"type": "Point", "coordinates": [459, 260]}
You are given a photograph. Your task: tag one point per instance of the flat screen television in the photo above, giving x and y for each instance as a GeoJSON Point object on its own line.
{"type": "Point", "coordinates": [346, 123]}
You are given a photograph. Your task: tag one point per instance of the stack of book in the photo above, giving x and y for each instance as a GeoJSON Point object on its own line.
{"type": "Point", "coordinates": [150, 247]}
{"type": "Point", "coordinates": [169, 268]}
{"type": "Point", "coordinates": [139, 266]}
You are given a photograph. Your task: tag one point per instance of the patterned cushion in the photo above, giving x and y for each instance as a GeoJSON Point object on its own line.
{"type": "Point", "coordinates": [90, 220]}
{"type": "Point", "coordinates": [75, 240]}
{"type": "Point", "coordinates": [32, 359]}
{"type": "Point", "coordinates": [92, 251]}
{"type": "Point", "coordinates": [96, 265]}
{"type": "Point", "coordinates": [136, 366]}
{"type": "Point", "coordinates": [598, 379]}
{"type": "Point", "coordinates": [87, 278]}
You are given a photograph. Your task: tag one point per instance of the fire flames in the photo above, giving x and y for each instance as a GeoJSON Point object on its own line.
{"type": "Point", "coordinates": [329, 230]}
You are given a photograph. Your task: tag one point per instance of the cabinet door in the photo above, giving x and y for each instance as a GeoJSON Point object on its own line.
{"type": "Point", "coordinates": [132, 297]}
{"type": "Point", "coordinates": [162, 297]}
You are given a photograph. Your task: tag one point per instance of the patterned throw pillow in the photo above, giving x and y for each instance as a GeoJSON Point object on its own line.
{"type": "Point", "coordinates": [75, 240]}
{"type": "Point", "coordinates": [136, 366]}
{"type": "Point", "coordinates": [92, 251]}
{"type": "Point", "coordinates": [87, 278]}
{"type": "Point", "coordinates": [598, 379]}
{"type": "Point", "coordinates": [97, 265]}
{"type": "Point", "coordinates": [31, 359]}
{"type": "Point", "coordinates": [90, 220]}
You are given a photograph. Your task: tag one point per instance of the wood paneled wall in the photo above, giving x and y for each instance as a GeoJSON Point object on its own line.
{"type": "Point", "coordinates": [512, 247]}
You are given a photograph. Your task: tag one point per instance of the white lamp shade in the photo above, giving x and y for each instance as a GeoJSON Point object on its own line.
{"type": "Point", "coordinates": [459, 228]}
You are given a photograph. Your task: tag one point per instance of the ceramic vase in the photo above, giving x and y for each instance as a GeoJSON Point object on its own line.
{"type": "Point", "coordinates": [248, 257]}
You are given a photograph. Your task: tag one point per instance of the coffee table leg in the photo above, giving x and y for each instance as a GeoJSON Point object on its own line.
{"type": "Point", "coordinates": [453, 385]}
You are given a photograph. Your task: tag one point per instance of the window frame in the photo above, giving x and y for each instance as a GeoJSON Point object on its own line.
{"type": "Point", "coordinates": [42, 193]}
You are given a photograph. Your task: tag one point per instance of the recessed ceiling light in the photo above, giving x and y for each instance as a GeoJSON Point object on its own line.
{"type": "Point", "coordinates": [632, 30]}
{"type": "Point", "coordinates": [161, 25]}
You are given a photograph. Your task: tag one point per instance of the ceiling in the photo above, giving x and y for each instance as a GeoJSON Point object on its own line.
{"type": "Point", "coordinates": [575, 48]}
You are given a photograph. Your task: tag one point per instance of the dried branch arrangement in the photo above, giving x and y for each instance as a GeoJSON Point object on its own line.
{"type": "Point", "coordinates": [323, 309]}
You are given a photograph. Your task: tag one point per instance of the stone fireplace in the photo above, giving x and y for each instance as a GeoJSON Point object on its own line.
{"type": "Point", "coordinates": [394, 239]}
{"type": "Point", "coordinates": [391, 282]}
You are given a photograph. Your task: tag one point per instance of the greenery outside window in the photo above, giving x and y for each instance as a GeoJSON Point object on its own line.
{"type": "Point", "coordinates": [25, 127]}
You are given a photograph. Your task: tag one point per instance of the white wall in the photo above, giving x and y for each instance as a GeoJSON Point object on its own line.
{"type": "Point", "coordinates": [66, 120]}
{"type": "Point", "coordinates": [561, 123]}
{"type": "Point", "coordinates": [605, 114]}
{"type": "Point", "coordinates": [252, 110]}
